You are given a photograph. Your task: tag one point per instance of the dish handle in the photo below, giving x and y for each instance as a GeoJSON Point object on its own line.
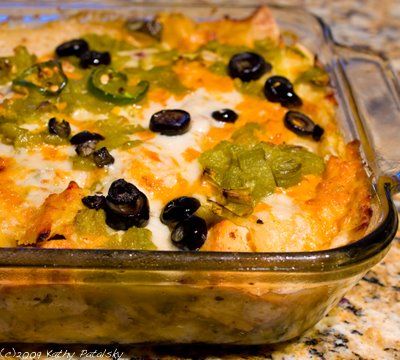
{"type": "Point", "coordinates": [374, 100]}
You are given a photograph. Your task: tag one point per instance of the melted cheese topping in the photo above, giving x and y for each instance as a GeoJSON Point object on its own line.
{"type": "Point", "coordinates": [165, 167]}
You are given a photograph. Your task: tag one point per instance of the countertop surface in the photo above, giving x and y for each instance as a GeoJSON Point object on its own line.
{"type": "Point", "coordinates": [366, 323]}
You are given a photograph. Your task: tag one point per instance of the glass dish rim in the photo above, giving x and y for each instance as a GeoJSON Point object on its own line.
{"type": "Point", "coordinates": [328, 260]}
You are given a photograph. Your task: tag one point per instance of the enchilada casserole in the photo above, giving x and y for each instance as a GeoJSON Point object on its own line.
{"type": "Point", "coordinates": [168, 134]}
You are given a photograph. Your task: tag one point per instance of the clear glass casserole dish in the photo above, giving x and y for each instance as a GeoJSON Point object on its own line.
{"type": "Point", "coordinates": [107, 296]}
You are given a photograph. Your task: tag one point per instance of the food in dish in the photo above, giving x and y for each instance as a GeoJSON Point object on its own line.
{"type": "Point", "coordinates": [172, 134]}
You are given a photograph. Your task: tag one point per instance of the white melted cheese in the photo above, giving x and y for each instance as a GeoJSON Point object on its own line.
{"type": "Point", "coordinates": [200, 105]}
{"type": "Point", "coordinates": [43, 177]}
{"type": "Point", "coordinates": [84, 115]}
{"type": "Point", "coordinates": [161, 233]}
{"type": "Point", "coordinates": [283, 223]}
{"type": "Point", "coordinates": [170, 149]}
{"type": "Point", "coordinates": [282, 206]}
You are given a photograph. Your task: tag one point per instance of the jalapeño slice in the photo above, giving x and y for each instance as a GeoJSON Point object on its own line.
{"type": "Point", "coordinates": [112, 86]}
{"type": "Point", "coordinates": [47, 78]}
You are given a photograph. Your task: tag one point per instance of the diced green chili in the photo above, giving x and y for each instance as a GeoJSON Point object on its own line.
{"type": "Point", "coordinates": [82, 163]}
{"type": "Point", "coordinates": [159, 76]}
{"type": "Point", "coordinates": [117, 131]}
{"type": "Point", "coordinates": [5, 69]}
{"type": "Point", "coordinates": [246, 170]}
{"type": "Point", "coordinates": [13, 65]}
{"type": "Point", "coordinates": [12, 134]}
{"type": "Point", "coordinates": [92, 222]}
{"type": "Point", "coordinates": [135, 239]}
{"type": "Point", "coordinates": [104, 42]}
{"type": "Point", "coordinates": [286, 170]}
{"type": "Point", "coordinates": [315, 76]}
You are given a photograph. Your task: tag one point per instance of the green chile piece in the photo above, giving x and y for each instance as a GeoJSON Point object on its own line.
{"type": "Point", "coordinates": [218, 68]}
{"type": "Point", "coordinates": [287, 171]}
{"type": "Point", "coordinates": [92, 222]}
{"type": "Point", "coordinates": [83, 163]}
{"type": "Point", "coordinates": [224, 51]}
{"type": "Point", "coordinates": [47, 78]}
{"type": "Point", "coordinates": [134, 239]}
{"type": "Point", "coordinates": [245, 170]}
{"type": "Point", "coordinates": [105, 42]}
{"type": "Point", "coordinates": [117, 131]}
{"type": "Point", "coordinates": [16, 136]}
{"type": "Point", "coordinates": [77, 96]}
{"type": "Point", "coordinates": [13, 65]}
{"type": "Point", "coordinates": [315, 76]}
{"type": "Point", "coordinates": [110, 85]}
{"type": "Point", "coordinates": [160, 76]}
{"type": "Point", "coordinates": [19, 137]}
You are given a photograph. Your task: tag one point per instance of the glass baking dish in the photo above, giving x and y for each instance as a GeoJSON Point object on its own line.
{"type": "Point", "coordinates": [131, 297]}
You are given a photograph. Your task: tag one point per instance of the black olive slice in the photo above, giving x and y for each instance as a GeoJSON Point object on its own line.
{"type": "Point", "coordinates": [85, 136]}
{"type": "Point", "coordinates": [302, 125]}
{"type": "Point", "coordinates": [130, 209]}
{"type": "Point", "coordinates": [279, 89]}
{"type": "Point", "coordinates": [190, 234]}
{"type": "Point", "coordinates": [116, 219]}
{"type": "Point", "coordinates": [57, 237]}
{"type": "Point", "coordinates": [59, 128]}
{"type": "Point", "coordinates": [122, 192]}
{"type": "Point", "coordinates": [117, 222]}
{"type": "Point", "coordinates": [95, 202]}
{"type": "Point", "coordinates": [225, 115]}
{"type": "Point", "coordinates": [102, 157]}
{"type": "Point", "coordinates": [248, 66]}
{"type": "Point", "coordinates": [126, 206]}
{"type": "Point", "coordinates": [170, 122]}
{"type": "Point", "coordinates": [75, 47]}
{"type": "Point", "coordinates": [317, 132]}
{"type": "Point", "coordinates": [179, 209]}
{"type": "Point", "coordinates": [94, 58]}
